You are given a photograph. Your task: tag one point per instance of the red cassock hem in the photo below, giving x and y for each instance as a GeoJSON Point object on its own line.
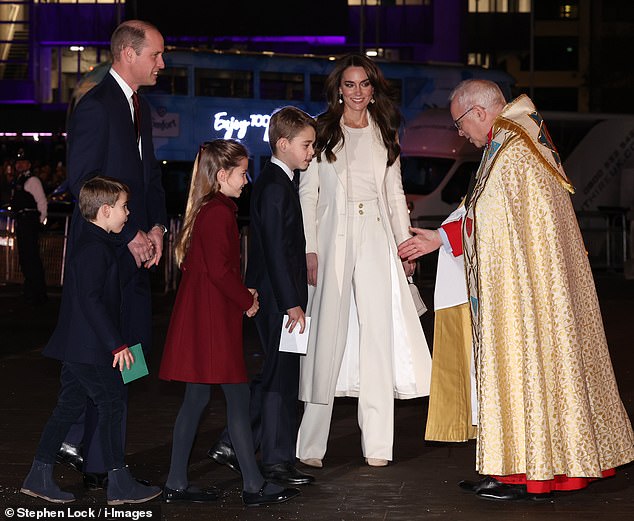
{"type": "Point", "coordinates": [559, 482]}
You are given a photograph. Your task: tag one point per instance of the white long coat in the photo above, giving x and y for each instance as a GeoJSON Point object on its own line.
{"type": "Point", "coordinates": [333, 349]}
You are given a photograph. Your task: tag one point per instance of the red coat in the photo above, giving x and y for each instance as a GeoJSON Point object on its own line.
{"type": "Point", "coordinates": [204, 340]}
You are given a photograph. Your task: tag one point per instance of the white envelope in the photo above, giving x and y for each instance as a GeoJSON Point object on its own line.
{"type": "Point", "coordinates": [294, 342]}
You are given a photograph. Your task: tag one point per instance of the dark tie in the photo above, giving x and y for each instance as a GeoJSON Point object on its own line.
{"type": "Point", "coordinates": [137, 115]}
{"type": "Point", "coordinates": [296, 180]}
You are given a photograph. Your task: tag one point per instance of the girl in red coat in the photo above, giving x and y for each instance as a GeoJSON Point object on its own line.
{"type": "Point", "coordinates": [204, 340]}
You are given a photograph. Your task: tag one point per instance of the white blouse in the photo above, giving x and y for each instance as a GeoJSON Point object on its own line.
{"type": "Point", "coordinates": [358, 150]}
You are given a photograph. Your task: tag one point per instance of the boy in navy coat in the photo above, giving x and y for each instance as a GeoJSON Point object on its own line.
{"type": "Point", "coordinates": [89, 343]}
{"type": "Point", "coordinates": [277, 269]}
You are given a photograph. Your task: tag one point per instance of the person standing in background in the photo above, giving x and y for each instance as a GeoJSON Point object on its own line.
{"type": "Point", "coordinates": [6, 182]}
{"type": "Point", "coordinates": [110, 133]}
{"type": "Point", "coordinates": [452, 411]}
{"type": "Point", "coordinates": [29, 206]}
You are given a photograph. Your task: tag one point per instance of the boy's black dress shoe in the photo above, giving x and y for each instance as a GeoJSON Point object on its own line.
{"type": "Point", "coordinates": [255, 499]}
{"type": "Point", "coordinates": [192, 495]}
{"type": "Point", "coordinates": [70, 455]}
{"type": "Point", "coordinates": [99, 480]}
{"type": "Point", "coordinates": [287, 474]}
{"type": "Point", "coordinates": [223, 454]}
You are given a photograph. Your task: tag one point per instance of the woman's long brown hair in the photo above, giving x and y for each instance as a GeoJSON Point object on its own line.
{"type": "Point", "coordinates": [384, 111]}
{"type": "Point", "coordinates": [212, 157]}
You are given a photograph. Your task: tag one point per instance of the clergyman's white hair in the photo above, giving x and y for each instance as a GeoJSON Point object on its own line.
{"type": "Point", "coordinates": [477, 92]}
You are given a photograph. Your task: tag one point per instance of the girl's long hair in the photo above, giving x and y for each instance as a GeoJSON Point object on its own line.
{"type": "Point", "coordinates": [212, 157]}
{"type": "Point", "coordinates": [384, 111]}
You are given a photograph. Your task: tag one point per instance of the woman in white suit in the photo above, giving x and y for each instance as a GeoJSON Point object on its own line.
{"type": "Point", "coordinates": [366, 339]}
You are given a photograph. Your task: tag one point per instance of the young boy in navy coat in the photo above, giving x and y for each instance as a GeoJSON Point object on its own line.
{"type": "Point", "coordinates": [88, 341]}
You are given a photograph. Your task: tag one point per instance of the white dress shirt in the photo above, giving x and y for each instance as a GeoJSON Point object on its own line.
{"type": "Point", "coordinates": [127, 90]}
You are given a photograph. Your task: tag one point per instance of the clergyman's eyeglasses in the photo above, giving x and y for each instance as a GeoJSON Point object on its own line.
{"type": "Point", "coordinates": [456, 122]}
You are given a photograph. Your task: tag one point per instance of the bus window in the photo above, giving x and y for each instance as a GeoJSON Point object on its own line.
{"type": "Point", "coordinates": [176, 177]}
{"type": "Point", "coordinates": [396, 86]}
{"type": "Point", "coordinates": [456, 188]}
{"type": "Point", "coordinates": [172, 80]}
{"type": "Point", "coordinates": [224, 84]}
{"type": "Point", "coordinates": [413, 88]}
{"type": "Point", "coordinates": [317, 87]}
{"type": "Point", "coordinates": [422, 175]}
{"type": "Point", "coordinates": [283, 86]}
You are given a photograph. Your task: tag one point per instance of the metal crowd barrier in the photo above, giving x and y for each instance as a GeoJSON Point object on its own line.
{"type": "Point", "coordinates": [52, 249]}
{"type": "Point", "coordinates": [605, 233]}
{"type": "Point", "coordinates": [53, 241]}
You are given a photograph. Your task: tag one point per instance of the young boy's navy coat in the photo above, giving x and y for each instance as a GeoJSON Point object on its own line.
{"type": "Point", "coordinates": [89, 324]}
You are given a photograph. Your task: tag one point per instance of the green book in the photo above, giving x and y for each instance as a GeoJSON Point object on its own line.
{"type": "Point", "coordinates": [138, 369]}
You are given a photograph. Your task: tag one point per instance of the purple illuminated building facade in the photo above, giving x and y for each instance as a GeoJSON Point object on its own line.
{"type": "Point", "coordinates": [46, 47]}
{"type": "Point", "coordinates": [568, 54]}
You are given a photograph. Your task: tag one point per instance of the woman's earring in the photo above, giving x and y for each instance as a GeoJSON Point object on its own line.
{"type": "Point", "coordinates": [340, 98]}
{"type": "Point", "coordinates": [372, 100]}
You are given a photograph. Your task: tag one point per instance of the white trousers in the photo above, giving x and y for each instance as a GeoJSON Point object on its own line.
{"type": "Point", "coordinates": [369, 253]}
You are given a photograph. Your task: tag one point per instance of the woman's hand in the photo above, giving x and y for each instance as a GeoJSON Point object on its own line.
{"type": "Point", "coordinates": [311, 266]}
{"type": "Point", "coordinates": [409, 267]}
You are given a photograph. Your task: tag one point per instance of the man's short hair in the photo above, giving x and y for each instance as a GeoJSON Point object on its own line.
{"type": "Point", "coordinates": [129, 34]}
{"type": "Point", "coordinates": [98, 191]}
{"type": "Point", "coordinates": [287, 122]}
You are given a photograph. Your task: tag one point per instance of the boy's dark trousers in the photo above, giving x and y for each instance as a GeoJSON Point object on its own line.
{"type": "Point", "coordinates": [274, 395]}
{"type": "Point", "coordinates": [104, 386]}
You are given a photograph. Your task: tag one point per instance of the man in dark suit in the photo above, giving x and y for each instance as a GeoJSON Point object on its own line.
{"type": "Point", "coordinates": [277, 270]}
{"type": "Point", "coordinates": [110, 133]}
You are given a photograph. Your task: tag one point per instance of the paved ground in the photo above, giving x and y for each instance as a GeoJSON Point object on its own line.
{"type": "Point", "coordinates": [420, 484]}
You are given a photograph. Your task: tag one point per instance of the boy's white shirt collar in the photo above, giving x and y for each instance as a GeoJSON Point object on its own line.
{"type": "Point", "coordinates": [277, 161]}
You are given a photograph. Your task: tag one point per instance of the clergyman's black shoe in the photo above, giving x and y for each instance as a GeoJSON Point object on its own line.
{"type": "Point", "coordinates": [482, 484]}
{"type": "Point", "coordinates": [192, 495]}
{"type": "Point", "coordinates": [256, 499]}
{"type": "Point", "coordinates": [286, 474]}
{"type": "Point", "coordinates": [504, 492]}
{"type": "Point", "coordinates": [223, 454]}
{"type": "Point", "coordinates": [70, 455]}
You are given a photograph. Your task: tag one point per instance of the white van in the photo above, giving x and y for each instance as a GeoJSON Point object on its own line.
{"type": "Point", "coordinates": [597, 151]}
{"type": "Point", "coordinates": [436, 164]}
